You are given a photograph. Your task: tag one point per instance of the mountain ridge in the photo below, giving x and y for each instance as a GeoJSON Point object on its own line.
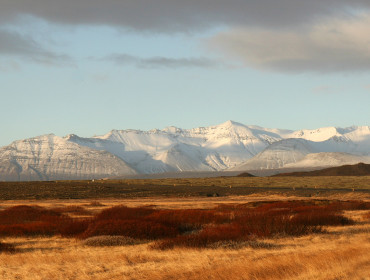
{"type": "Point", "coordinates": [225, 147]}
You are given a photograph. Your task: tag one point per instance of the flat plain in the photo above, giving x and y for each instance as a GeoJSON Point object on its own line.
{"type": "Point", "coordinates": [340, 251]}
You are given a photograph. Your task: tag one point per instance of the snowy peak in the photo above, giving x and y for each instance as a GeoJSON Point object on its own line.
{"type": "Point", "coordinates": [229, 129]}
{"type": "Point", "coordinates": [219, 146]}
{"type": "Point", "coordinates": [170, 130]}
{"type": "Point", "coordinates": [316, 135]}
{"type": "Point", "coordinates": [353, 133]}
{"type": "Point", "coordinates": [227, 146]}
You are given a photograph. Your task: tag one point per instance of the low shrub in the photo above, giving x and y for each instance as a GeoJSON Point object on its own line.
{"type": "Point", "coordinates": [30, 220]}
{"type": "Point", "coordinates": [74, 227]}
{"type": "Point", "coordinates": [140, 229]}
{"type": "Point", "coordinates": [73, 209]}
{"type": "Point", "coordinates": [317, 218]}
{"type": "Point", "coordinates": [109, 240]}
{"type": "Point", "coordinates": [186, 228]}
{"type": "Point", "coordinates": [204, 238]}
{"type": "Point", "coordinates": [349, 205]}
{"type": "Point", "coordinates": [96, 204]}
{"type": "Point", "coordinates": [272, 206]}
{"type": "Point", "coordinates": [123, 213]}
{"type": "Point", "coordinates": [24, 214]}
{"type": "Point", "coordinates": [265, 225]}
{"type": "Point", "coordinates": [366, 216]}
{"type": "Point", "coordinates": [32, 228]}
{"type": "Point", "coordinates": [234, 245]}
{"type": "Point", "coordinates": [188, 220]}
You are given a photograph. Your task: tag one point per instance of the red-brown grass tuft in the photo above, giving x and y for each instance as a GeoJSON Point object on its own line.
{"type": "Point", "coordinates": [189, 219]}
{"type": "Point", "coordinates": [25, 214]}
{"type": "Point", "coordinates": [73, 209]}
{"type": "Point", "coordinates": [96, 204]}
{"type": "Point", "coordinates": [320, 219]}
{"type": "Point", "coordinates": [30, 220]}
{"type": "Point", "coordinates": [33, 228]}
{"type": "Point", "coordinates": [186, 228]}
{"type": "Point", "coordinates": [350, 205]}
{"type": "Point", "coordinates": [74, 227]}
{"type": "Point", "coordinates": [123, 213]}
{"type": "Point", "coordinates": [204, 238]}
{"type": "Point", "coordinates": [366, 216]}
{"type": "Point", "coordinates": [140, 229]}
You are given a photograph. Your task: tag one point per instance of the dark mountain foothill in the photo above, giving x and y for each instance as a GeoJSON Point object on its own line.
{"type": "Point", "coordinates": [360, 169]}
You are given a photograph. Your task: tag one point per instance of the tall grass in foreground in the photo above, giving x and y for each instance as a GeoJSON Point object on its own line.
{"type": "Point", "coordinates": [340, 256]}
{"type": "Point", "coordinates": [183, 228]}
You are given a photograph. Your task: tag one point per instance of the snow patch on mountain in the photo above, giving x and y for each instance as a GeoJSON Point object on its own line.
{"type": "Point", "coordinates": [277, 155]}
{"type": "Point", "coordinates": [327, 160]}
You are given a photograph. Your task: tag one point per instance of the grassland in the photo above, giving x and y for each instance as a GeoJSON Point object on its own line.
{"type": "Point", "coordinates": [303, 228]}
{"type": "Point", "coordinates": [199, 187]}
{"type": "Point", "coordinates": [343, 255]}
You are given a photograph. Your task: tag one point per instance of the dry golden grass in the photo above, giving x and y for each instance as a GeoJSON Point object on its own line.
{"type": "Point", "coordinates": [176, 202]}
{"type": "Point", "coordinates": [342, 253]}
{"type": "Point", "coordinates": [109, 240]}
{"type": "Point", "coordinates": [337, 182]}
{"type": "Point", "coordinates": [328, 256]}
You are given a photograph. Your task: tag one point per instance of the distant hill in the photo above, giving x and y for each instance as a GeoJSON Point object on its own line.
{"type": "Point", "coordinates": [360, 169]}
{"type": "Point", "coordinates": [245, 174]}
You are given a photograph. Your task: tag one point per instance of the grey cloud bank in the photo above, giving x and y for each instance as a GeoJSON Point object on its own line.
{"type": "Point", "coordinates": [278, 35]}
{"type": "Point", "coordinates": [179, 15]}
{"type": "Point", "coordinates": [162, 62]}
{"type": "Point", "coordinates": [15, 45]}
{"type": "Point", "coordinates": [335, 45]}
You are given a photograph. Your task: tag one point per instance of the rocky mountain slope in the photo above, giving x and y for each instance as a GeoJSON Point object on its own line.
{"type": "Point", "coordinates": [50, 157]}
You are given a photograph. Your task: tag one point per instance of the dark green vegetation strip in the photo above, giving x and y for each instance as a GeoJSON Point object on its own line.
{"type": "Point", "coordinates": [200, 187]}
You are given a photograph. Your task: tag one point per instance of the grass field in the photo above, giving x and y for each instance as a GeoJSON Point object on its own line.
{"type": "Point", "coordinates": [176, 229]}
{"type": "Point", "coordinates": [199, 187]}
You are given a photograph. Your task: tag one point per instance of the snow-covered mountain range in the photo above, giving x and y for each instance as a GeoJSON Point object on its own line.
{"type": "Point", "coordinates": [230, 146]}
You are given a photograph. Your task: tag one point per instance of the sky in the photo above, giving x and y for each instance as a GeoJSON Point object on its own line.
{"type": "Point", "coordinates": [89, 66]}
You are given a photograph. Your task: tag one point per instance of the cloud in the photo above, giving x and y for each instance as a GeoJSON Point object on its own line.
{"type": "Point", "coordinates": [332, 45]}
{"type": "Point", "coordinates": [9, 66]}
{"type": "Point", "coordinates": [280, 35]}
{"type": "Point", "coordinates": [179, 15]}
{"type": "Point", "coordinates": [16, 45]}
{"type": "Point", "coordinates": [324, 89]}
{"type": "Point", "coordinates": [100, 78]}
{"type": "Point", "coordinates": [162, 62]}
